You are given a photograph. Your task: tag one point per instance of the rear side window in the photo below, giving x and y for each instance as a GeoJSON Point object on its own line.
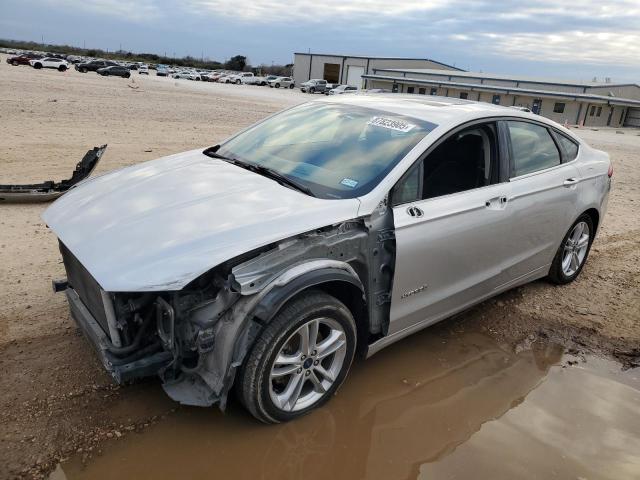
{"type": "Point", "coordinates": [532, 148]}
{"type": "Point", "coordinates": [569, 146]}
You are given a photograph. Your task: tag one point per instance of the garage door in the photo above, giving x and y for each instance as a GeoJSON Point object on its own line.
{"type": "Point", "coordinates": [354, 75]}
{"type": "Point", "coordinates": [633, 118]}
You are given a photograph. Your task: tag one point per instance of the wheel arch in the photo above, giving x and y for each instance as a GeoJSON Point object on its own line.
{"type": "Point", "coordinates": [594, 214]}
{"type": "Point", "coordinates": [342, 284]}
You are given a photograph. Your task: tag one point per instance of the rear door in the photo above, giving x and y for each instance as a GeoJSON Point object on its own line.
{"type": "Point", "coordinates": [450, 226]}
{"type": "Point", "coordinates": [544, 196]}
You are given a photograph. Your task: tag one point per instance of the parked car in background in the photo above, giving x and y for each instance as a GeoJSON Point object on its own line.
{"type": "Point", "coordinates": [340, 89]}
{"type": "Point", "coordinates": [432, 208]}
{"type": "Point", "coordinates": [94, 65]}
{"type": "Point", "coordinates": [143, 70]}
{"type": "Point", "coordinates": [244, 77]}
{"type": "Point", "coordinates": [162, 71]}
{"type": "Point", "coordinates": [115, 70]}
{"type": "Point", "coordinates": [315, 85]}
{"type": "Point", "coordinates": [187, 74]}
{"type": "Point", "coordinates": [23, 59]}
{"type": "Point", "coordinates": [49, 62]}
{"type": "Point", "coordinates": [285, 82]}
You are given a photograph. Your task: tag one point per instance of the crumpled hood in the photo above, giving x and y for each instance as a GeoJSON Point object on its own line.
{"type": "Point", "coordinates": [161, 224]}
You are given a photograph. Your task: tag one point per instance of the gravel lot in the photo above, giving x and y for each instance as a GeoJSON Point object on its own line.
{"type": "Point", "coordinates": [54, 396]}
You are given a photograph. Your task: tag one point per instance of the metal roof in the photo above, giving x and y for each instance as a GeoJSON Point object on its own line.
{"type": "Point", "coordinates": [365, 57]}
{"type": "Point", "coordinates": [513, 78]}
{"type": "Point", "coordinates": [493, 88]}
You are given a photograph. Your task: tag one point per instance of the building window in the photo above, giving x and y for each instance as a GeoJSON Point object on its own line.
{"type": "Point", "coordinates": [464, 95]}
{"type": "Point", "coordinates": [496, 100]}
{"type": "Point", "coordinates": [434, 91]}
{"type": "Point", "coordinates": [599, 111]}
{"type": "Point", "coordinates": [558, 108]}
{"type": "Point", "coordinates": [592, 112]}
{"type": "Point", "coordinates": [422, 91]}
{"type": "Point", "coordinates": [410, 89]}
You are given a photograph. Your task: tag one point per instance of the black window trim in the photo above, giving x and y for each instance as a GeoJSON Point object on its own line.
{"type": "Point", "coordinates": [502, 163]}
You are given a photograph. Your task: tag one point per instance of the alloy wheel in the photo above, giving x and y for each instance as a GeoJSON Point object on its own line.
{"type": "Point", "coordinates": [307, 364]}
{"type": "Point", "coordinates": [575, 249]}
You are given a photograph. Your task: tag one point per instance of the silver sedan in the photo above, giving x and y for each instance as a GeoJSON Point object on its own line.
{"type": "Point", "coordinates": [333, 228]}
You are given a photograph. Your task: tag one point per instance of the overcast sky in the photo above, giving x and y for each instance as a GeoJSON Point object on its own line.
{"type": "Point", "coordinates": [576, 39]}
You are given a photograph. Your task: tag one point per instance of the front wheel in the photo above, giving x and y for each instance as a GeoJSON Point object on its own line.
{"type": "Point", "coordinates": [299, 360]}
{"type": "Point", "coordinates": [238, 82]}
{"type": "Point", "coordinates": [62, 68]}
{"type": "Point", "coordinates": [291, 86]}
{"type": "Point", "coordinates": [573, 251]}
{"type": "Point", "coordinates": [277, 85]}
{"type": "Point", "coordinates": [83, 70]}
{"type": "Point", "coordinates": [312, 90]}
{"type": "Point", "coordinates": [15, 63]}
{"type": "Point", "coordinates": [37, 66]}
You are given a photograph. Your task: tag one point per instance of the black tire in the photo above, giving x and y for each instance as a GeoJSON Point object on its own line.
{"type": "Point", "coordinates": [15, 63]}
{"type": "Point", "coordinates": [312, 90]}
{"type": "Point", "coordinates": [253, 381]}
{"type": "Point", "coordinates": [291, 86]}
{"type": "Point", "coordinates": [83, 70]}
{"type": "Point", "coordinates": [556, 273]}
{"type": "Point", "coordinates": [277, 85]}
{"type": "Point", "coordinates": [37, 66]}
{"type": "Point", "coordinates": [238, 82]}
{"type": "Point", "coordinates": [62, 68]}
{"type": "Point", "coordinates": [127, 75]}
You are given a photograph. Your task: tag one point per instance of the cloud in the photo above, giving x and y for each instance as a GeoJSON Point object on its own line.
{"type": "Point", "coordinates": [593, 47]}
{"type": "Point", "coordinates": [264, 11]}
{"type": "Point", "coordinates": [128, 10]}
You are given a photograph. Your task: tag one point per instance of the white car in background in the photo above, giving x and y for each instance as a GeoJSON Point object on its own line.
{"type": "Point", "coordinates": [187, 75]}
{"type": "Point", "coordinates": [285, 82]}
{"type": "Point", "coordinates": [341, 89]}
{"type": "Point", "coordinates": [49, 62]}
{"type": "Point", "coordinates": [143, 70]}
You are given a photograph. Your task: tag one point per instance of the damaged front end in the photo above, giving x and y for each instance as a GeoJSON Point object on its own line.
{"type": "Point", "coordinates": [196, 338]}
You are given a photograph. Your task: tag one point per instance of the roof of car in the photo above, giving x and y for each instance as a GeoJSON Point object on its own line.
{"type": "Point", "coordinates": [445, 111]}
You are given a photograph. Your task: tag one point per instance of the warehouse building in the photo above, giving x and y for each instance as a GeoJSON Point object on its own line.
{"type": "Point", "coordinates": [575, 102]}
{"type": "Point", "coordinates": [350, 69]}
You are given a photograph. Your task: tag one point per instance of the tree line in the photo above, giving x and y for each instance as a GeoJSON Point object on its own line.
{"type": "Point", "coordinates": [237, 63]}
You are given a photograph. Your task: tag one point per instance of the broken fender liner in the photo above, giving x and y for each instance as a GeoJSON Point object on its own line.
{"type": "Point", "coordinates": [50, 190]}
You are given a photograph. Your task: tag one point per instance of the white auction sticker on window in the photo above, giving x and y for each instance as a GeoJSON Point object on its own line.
{"type": "Point", "coordinates": [397, 125]}
{"type": "Point", "coordinates": [349, 182]}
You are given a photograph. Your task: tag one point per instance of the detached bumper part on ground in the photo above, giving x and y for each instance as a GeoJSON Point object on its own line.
{"type": "Point", "coordinates": [50, 190]}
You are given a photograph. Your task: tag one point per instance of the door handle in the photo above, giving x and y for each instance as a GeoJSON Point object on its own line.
{"type": "Point", "coordinates": [415, 212]}
{"type": "Point", "coordinates": [569, 182]}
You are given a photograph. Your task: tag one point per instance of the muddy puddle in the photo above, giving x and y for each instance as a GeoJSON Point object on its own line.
{"type": "Point", "coordinates": [434, 406]}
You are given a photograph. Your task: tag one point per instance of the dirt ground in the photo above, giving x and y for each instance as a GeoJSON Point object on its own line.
{"type": "Point", "coordinates": [56, 400]}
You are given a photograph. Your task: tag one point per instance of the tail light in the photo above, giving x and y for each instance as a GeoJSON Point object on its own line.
{"type": "Point", "coordinates": [610, 171]}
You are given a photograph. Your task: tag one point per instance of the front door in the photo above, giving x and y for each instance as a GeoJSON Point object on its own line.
{"type": "Point", "coordinates": [449, 213]}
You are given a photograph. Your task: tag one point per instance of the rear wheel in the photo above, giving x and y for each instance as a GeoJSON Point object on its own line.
{"type": "Point", "coordinates": [238, 82]}
{"type": "Point", "coordinates": [277, 85]}
{"type": "Point", "coordinates": [573, 251]}
{"type": "Point", "coordinates": [127, 75]}
{"type": "Point", "coordinates": [83, 70]}
{"type": "Point", "coordinates": [312, 90]}
{"type": "Point", "coordinates": [299, 360]}
{"type": "Point", "coordinates": [15, 63]}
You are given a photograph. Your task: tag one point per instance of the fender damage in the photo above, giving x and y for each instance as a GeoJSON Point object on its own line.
{"type": "Point", "coordinates": [195, 338]}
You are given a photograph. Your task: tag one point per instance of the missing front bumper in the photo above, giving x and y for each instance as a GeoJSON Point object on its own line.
{"type": "Point", "coordinates": [121, 372]}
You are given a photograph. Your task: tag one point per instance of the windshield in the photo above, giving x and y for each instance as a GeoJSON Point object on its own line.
{"type": "Point", "coordinates": [336, 150]}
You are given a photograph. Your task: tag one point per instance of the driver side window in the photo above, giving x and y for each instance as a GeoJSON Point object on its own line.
{"type": "Point", "coordinates": [466, 160]}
